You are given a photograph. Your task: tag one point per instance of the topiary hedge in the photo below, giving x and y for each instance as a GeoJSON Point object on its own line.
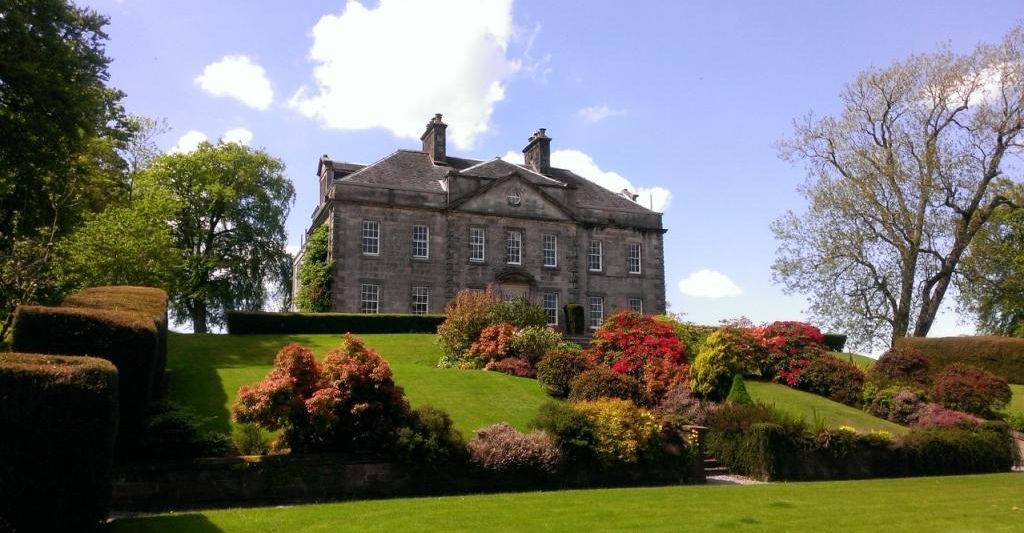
{"type": "Point", "coordinates": [835, 341]}
{"type": "Point", "coordinates": [575, 320]}
{"type": "Point", "coordinates": [148, 301]}
{"type": "Point", "coordinates": [127, 339]}
{"type": "Point", "coordinates": [1003, 356]}
{"type": "Point", "coordinates": [244, 322]}
{"type": "Point", "coordinates": [58, 420]}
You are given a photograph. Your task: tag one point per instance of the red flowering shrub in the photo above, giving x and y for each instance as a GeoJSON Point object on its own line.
{"type": "Point", "coordinates": [907, 366]}
{"type": "Point", "coordinates": [834, 379]}
{"type": "Point", "coordinates": [970, 389]}
{"type": "Point", "coordinates": [500, 447]}
{"type": "Point", "coordinates": [935, 415]}
{"type": "Point", "coordinates": [495, 342]}
{"type": "Point", "coordinates": [513, 366]}
{"type": "Point", "coordinates": [348, 403]}
{"type": "Point", "coordinates": [639, 346]}
{"type": "Point", "coordinates": [601, 382]}
{"type": "Point", "coordinates": [786, 341]}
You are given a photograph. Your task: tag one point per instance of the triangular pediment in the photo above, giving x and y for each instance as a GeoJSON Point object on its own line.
{"type": "Point", "coordinates": [514, 196]}
{"type": "Point", "coordinates": [497, 168]}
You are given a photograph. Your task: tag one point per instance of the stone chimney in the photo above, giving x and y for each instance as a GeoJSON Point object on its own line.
{"type": "Point", "coordinates": [629, 195]}
{"type": "Point", "coordinates": [434, 139]}
{"type": "Point", "coordinates": [538, 152]}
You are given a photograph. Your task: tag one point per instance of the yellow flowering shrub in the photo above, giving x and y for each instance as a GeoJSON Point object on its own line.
{"type": "Point", "coordinates": [622, 431]}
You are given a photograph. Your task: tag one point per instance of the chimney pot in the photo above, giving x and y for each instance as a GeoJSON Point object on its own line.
{"type": "Point", "coordinates": [537, 153]}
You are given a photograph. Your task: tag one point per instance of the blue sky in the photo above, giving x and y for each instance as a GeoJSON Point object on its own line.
{"type": "Point", "coordinates": [682, 97]}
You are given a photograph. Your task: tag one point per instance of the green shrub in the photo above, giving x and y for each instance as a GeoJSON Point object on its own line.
{"type": "Point", "coordinates": [174, 432]}
{"type": "Point", "coordinates": [148, 301]}
{"type": "Point", "coordinates": [602, 382]}
{"type": "Point", "coordinates": [519, 312]}
{"type": "Point", "coordinates": [1015, 420]}
{"type": "Point", "coordinates": [127, 339]}
{"type": "Point", "coordinates": [245, 322]}
{"type": "Point", "coordinates": [430, 437]}
{"type": "Point", "coordinates": [533, 342]}
{"type": "Point", "coordinates": [559, 366]}
{"type": "Point", "coordinates": [725, 352]}
{"type": "Point", "coordinates": [623, 432]}
{"type": "Point", "coordinates": [316, 274]}
{"type": "Point", "coordinates": [250, 439]}
{"type": "Point", "coordinates": [571, 429]}
{"type": "Point", "coordinates": [835, 342]}
{"type": "Point", "coordinates": [833, 378]}
{"type": "Point", "coordinates": [1003, 356]}
{"type": "Point", "coordinates": [738, 392]}
{"type": "Point", "coordinates": [948, 451]}
{"type": "Point", "coordinates": [58, 420]}
{"type": "Point", "coordinates": [466, 315]}
{"type": "Point", "coordinates": [575, 319]}
{"type": "Point", "coordinates": [896, 403]}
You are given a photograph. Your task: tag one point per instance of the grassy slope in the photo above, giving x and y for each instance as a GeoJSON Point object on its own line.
{"type": "Point", "coordinates": [812, 407]}
{"type": "Point", "coordinates": [207, 370]}
{"type": "Point", "coordinates": [1017, 403]}
{"type": "Point", "coordinates": [988, 503]}
{"type": "Point", "coordinates": [862, 361]}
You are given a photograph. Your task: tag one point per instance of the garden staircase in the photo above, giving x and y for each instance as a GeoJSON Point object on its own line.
{"type": "Point", "coordinates": [714, 468]}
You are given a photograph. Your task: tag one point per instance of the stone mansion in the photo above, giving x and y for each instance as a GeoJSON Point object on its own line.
{"type": "Point", "coordinates": [411, 230]}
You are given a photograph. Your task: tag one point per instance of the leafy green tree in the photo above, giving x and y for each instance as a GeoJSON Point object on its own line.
{"type": "Point", "coordinates": [899, 185]}
{"type": "Point", "coordinates": [231, 203]}
{"type": "Point", "coordinates": [128, 245]}
{"type": "Point", "coordinates": [315, 274]}
{"type": "Point", "coordinates": [992, 275]}
{"type": "Point", "coordinates": [60, 129]}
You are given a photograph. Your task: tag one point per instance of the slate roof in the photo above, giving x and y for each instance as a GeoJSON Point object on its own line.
{"type": "Point", "coordinates": [413, 170]}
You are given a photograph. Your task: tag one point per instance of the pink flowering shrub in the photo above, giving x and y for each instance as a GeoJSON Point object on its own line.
{"type": "Point", "coordinates": [348, 403]}
{"type": "Point", "coordinates": [500, 447]}
{"type": "Point", "coordinates": [513, 366]}
{"type": "Point", "coordinates": [935, 415]}
{"type": "Point", "coordinates": [495, 342]}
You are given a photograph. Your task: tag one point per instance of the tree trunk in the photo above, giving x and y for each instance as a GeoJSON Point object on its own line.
{"type": "Point", "coordinates": [198, 313]}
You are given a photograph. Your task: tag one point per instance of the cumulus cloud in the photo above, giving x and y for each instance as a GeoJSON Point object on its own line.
{"type": "Point", "coordinates": [655, 198]}
{"type": "Point", "coordinates": [237, 135]}
{"type": "Point", "coordinates": [598, 113]}
{"type": "Point", "coordinates": [188, 142]}
{"type": "Point", "coordinates": [395, 65]}
{"type": "Point", "coordinates": [238, 77]}
{"type": "Point", "coordinates": [708, 283]}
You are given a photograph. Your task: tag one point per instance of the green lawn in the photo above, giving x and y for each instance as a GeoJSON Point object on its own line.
{"type": "Point", "coordinates": [988, 503]}
{"type": "Point", "coordinates": [1017, 402]}
{"type": "Point", "coordinates": [207, 370]}
{"type": "Point", "coordinates": [813, 408]}
{"type": "Point", "coordinates": [862, 361]}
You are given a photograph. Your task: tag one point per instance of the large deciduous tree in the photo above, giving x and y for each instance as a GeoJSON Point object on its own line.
{"type": "Point", "coordinates": [992, 275]}
{"type": "Point", "coordinates": [60, 128]}
{"type": "Point", "coordinates": [900, 183]}
{"type": "Point", "coordinates": [228, 224]}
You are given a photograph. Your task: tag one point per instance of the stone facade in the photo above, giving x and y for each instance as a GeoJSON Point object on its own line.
{"type": "Point", "coordinates": [401, 232]}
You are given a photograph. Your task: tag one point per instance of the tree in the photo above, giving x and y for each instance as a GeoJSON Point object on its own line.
{"type": "Point", "coordinates": [900, 183]}
{"type": "Point", "coordinates": [60, 126]}
{"type": "Point", "coordinates": [231, 203]}
{"type": "Point", "coordinates": [992, 275]}
{"type": "Point", "coordinates": [315, 274]}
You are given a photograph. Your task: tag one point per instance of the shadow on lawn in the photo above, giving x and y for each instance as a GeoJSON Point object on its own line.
{"type": "Point", "coordinates": [191, 522]}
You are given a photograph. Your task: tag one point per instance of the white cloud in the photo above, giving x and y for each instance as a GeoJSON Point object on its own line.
{"type": "Point", "coordinates": [237, 135]}
{"type": "Point", "coordinates": [707, 283]}
{"type": "Point", "coordinates": [240, 78]}
{"type": "Point", "coordinates": [598, 113]}
{"type": "Point", "coordinates": [188, 142]}
{"type": "Point", "coordinates": [395, 65]}
{"type": "Point", "coordinates": [655, 198]}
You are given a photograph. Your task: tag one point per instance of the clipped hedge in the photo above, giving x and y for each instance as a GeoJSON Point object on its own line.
{"type": "Point", "coordinates": [58, 420]}
{"type": "Point", "coordinates": [835, 341]}
{"type": "Point", "coordinates": [1003, 356]}
{"type": "Point", "coordinates": [245, 322]}
{"type": "Point", "coordinates": [149, 301]}
{"type": "Point", "coordinates": [127, 339]}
